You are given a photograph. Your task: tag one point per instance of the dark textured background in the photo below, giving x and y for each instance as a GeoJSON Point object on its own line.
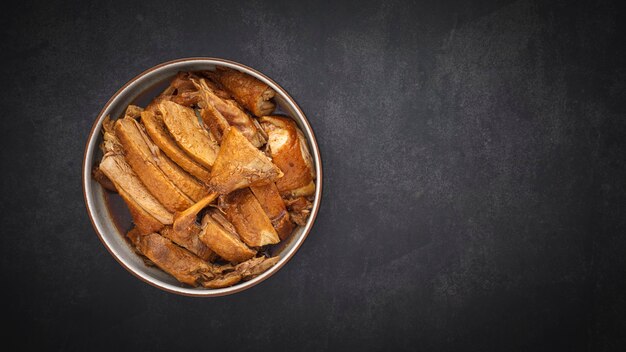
{"type": "Point", "coordinates": [474, 175]}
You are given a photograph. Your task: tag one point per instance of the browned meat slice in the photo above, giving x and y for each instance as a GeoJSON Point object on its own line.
{"type": "Point", "coordinates": [253, 94]}
{"type": "Point", "coordinates": [143, 161]}
{"type": "Point", "coordinates": [185, 221]}
{"type": "Point", "coordinates": [274, 206]}
{"type": "Point", "coordinates": [219, 113]}
{"type": "Point", "coordinates": [185, 266]}
{"type": "Point", "coordinates": [143, 220]}
{"type": "Point", "coordinates": [243, 210]}
{"type": "Point", "coordinates": [287, 147]}
{"type": "Point", "coordinates": [188, 268]}
{"type": "Point", "coordinates": [122, 175]}
{"type": "Point", "coordinates": [220, 235]}
{"type": "Point", "coordinates": [155, 127]}
{"type": "Point", "coordinates": [188, 184]}
{"type": "Point", "coordinates": [190, 241]}
{"type": "Point", "coordinates": [299, 209]}
{"type": "Point", "coordinates": [239, 164]}
{"type": "Point", "coordinates": [102, 179]}
{"type": "Point", "coordinates": [115, 167]}
{"type": "Point", "coordinates": [180, 90]}
{"type": "Point", "coordinates": [255, 266]}
{"type": "Point", "coordinates": [183, 125]}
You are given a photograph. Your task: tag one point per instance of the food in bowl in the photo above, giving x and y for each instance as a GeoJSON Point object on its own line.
{"type": "Point", "coordinates": [213, 177]}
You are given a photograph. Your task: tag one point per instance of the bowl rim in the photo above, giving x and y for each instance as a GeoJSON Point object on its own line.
{"type": "Point", "coordinates": [88, 161]}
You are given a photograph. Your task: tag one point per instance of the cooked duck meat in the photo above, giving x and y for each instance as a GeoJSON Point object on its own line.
{"type": "Point", "coordinates": [180, 90]}
{"type": "Point", "coordinates": [142, 219]}
{"type": "Point", "coordinates": [155, 127]}
{"type": "Point", "coordinates": [188, 184]}
{"type": "Point", "coordinates": [253, 94]}
{"type": "Point", "coordinates": [186, 221]}
{"type": "Point", "coordinates": [255, 266]}
{"type": "Point", "coordinates": [198, 142]}
{"type": "Point", "coordinates": [183, 125]}
{"type": "Point", "coordinates": [128, 184]}
{"type": "Point", "coordinates": [219, 113]}
{"type": "Point", "coordinates": [253, 225]}
{"type": "Point", "coordinates": [299, 209]}
{"type": "Point", "coordinates": [102, 179]}
{"type": "Point", "coordinates": [239, 164]}
{"type": "Point", "coordinates": [274, 206]}
{"type": "Point", "coordinates": [185, 266]}
{"type": "Point", "coordinates": [137, 138]}
{"type": "Point", "coordinates": [221, 236]}
{"type": "Point", "coordinates": [190, 269]}
{"type": "Point", "coordinates": [190, 241]}
{"type": "Point", "coordinates": [287, 147]}
{"type": "Point", "coordinates": [144, 161]}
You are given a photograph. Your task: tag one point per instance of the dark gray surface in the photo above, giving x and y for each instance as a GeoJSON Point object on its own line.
{"type": "Point", "coordinates": [474, 175]}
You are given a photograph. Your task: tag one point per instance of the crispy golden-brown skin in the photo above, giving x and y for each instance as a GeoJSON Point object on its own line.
{"type": "Point", "coordinates": [253, 94]}
{"type": "Point", "coordinates": [155, 127]}
{"type": "Point", "coordinates": [183, 125]}
{"type": "Point", "coordinates": [274, 206]}
{"type": "Point", "coordinates": [287, 147]}
{"type": "Point", "coordinates": [219, 235]}
{"type": "Point", "coordinates": [253, 225]}
{"type": "Point", "coordinates": [143, 161]}
{"type": "Point", "coordinates": [239, 164]}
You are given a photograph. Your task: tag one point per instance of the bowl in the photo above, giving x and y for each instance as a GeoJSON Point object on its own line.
{"type": "Point", "coordinates": [107, 212]}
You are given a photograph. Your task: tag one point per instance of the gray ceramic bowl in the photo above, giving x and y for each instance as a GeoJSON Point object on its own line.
{"type": "Point", "coordinates": [108, 214]}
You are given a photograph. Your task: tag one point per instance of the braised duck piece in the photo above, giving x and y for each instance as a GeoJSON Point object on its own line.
{"type": "Point", "coordinates": [180, 91]}
{"type": "Point", "coordinates": [222, 237]}
{"type": "Point", "coordinates": [248, 91]}
{"type": "Point", "coordinates": [142, 153]}
{"type": "Point", "coordinates": [194, 153]}
{"type": "Point", "coordinates": [102, 179]}
{"type": "Point", "coordinates": [274, 206]}
{"type": "Point", "coordinates": [244, 211]}
{"type": "Point", "coordinates": [185, 266]}
{"type": "Point", "coordinates": [190, 241]}
{"type": "Point", "coordinates": [219, 113]}
{"type": "Point", "coordinates": [146, 211]}
{"type": "Point", "coordinates": [183, 125]}
{"type": "Point", "coordinates": [155, 127]}
{"type": "Point", "coordinates": [186, 221]}
{"type": "Point", "coordinates": [299, 209]}
{"type": "Point", "coordinates": [188, 268]}
{"type": "Point", "coordinates": [144, 221]}
{"type": "Point", "coordinates": [255, 266]}
{"type": "Point", "coordinates": [239, 164]}
{"type": "Point", "coordinates": [287, 147]}
{"type": "Point", "coordinates": [144, 161]}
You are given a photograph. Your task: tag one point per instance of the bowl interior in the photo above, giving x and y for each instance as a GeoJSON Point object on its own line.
{"type": "Point", "coordinates": [109, 214]}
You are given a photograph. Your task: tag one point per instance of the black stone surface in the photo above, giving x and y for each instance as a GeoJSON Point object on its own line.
{"type": "Point", "coordinates": [474, 193]}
